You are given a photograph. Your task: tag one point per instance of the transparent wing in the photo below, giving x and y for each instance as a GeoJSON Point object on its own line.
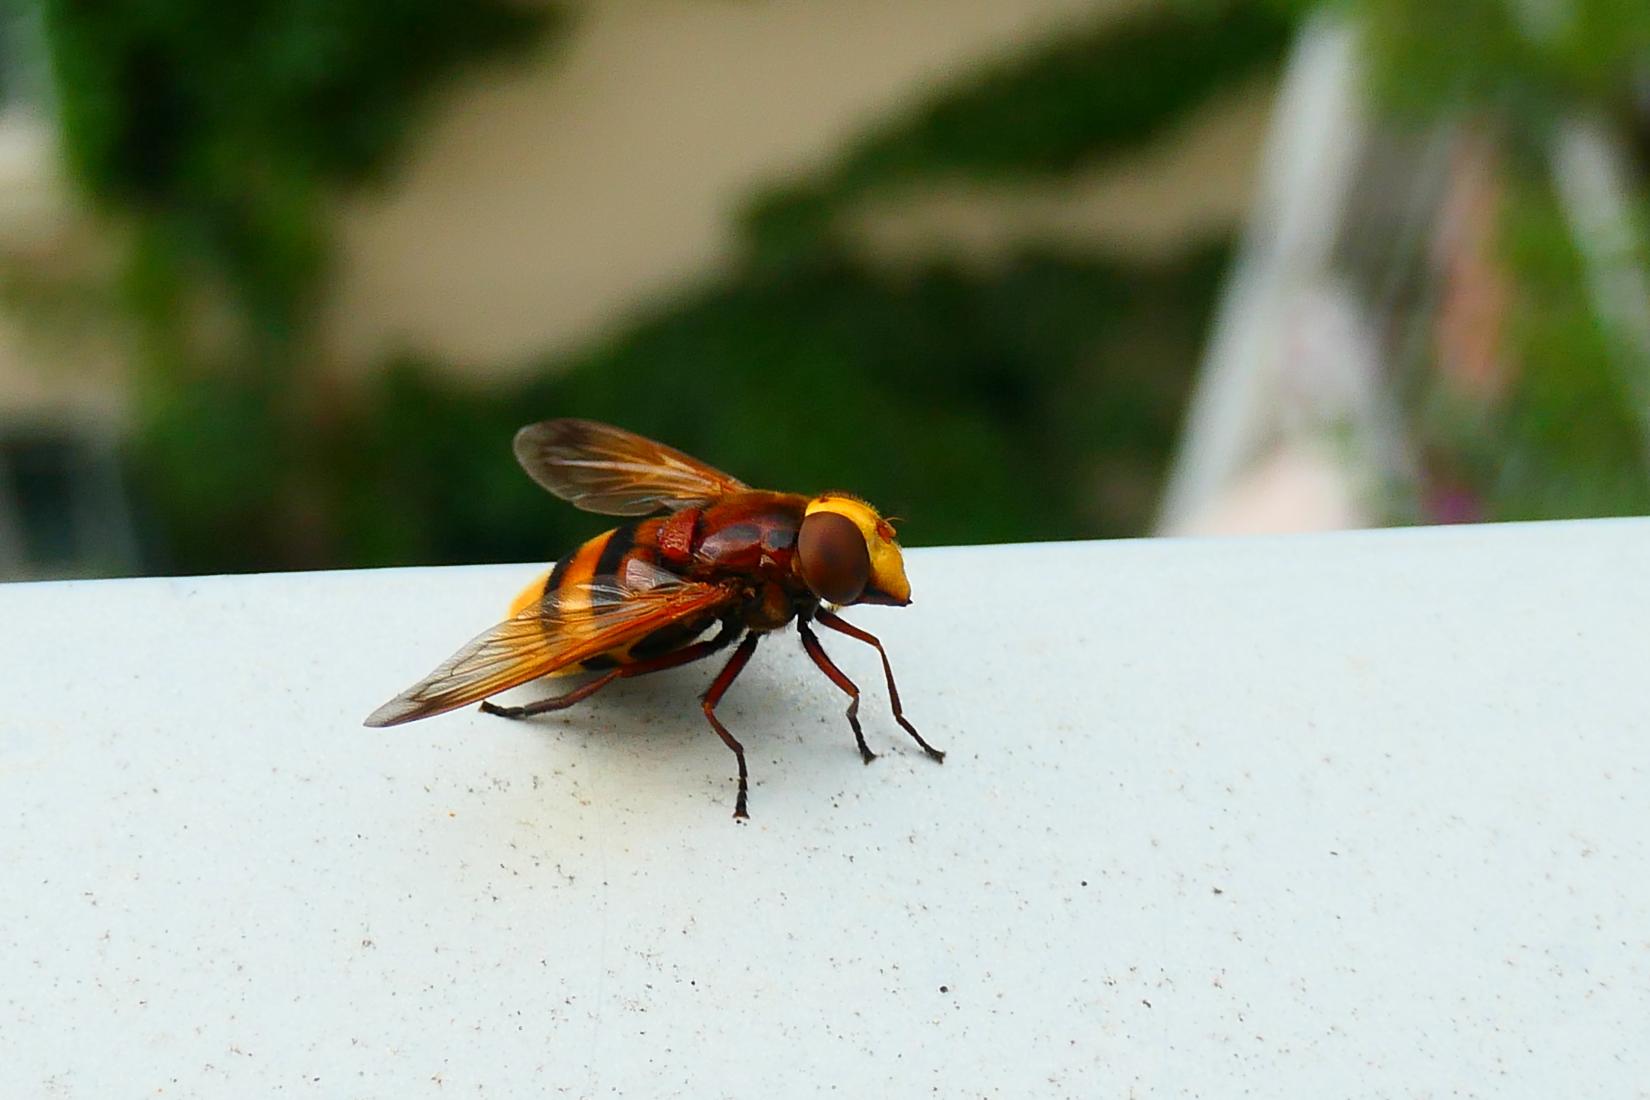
{"type": "Point", "coordinates": [600, 468]}
{"type": "Point", "coordinates": [572, 625]}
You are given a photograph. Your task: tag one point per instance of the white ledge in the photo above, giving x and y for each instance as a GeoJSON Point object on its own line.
{"type": "Point", "coordinates": [1307, 816]}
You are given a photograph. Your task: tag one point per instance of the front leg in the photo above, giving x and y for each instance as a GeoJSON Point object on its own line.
{"type": "Point", "coordinates": [842, 626]}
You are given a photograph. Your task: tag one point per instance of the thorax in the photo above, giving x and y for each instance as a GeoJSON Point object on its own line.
{"type": "Point", "coordinates": [750, 534]}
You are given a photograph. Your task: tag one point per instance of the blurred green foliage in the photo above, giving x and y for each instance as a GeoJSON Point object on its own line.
{"type": "Point", "coordinates": [220, 125]}
{"type": "Point", "coordinates": [1562, 439]}
{"type": "Point", "coordinates": [1530, 60]}
{"type": "Point", "coordinates": [1034, 401]}
{"type": "Point", "coordinates": [1036, 398]}
{"type": "Point", "coordinates": [1098, 92]}
{"type": "Point", "coordinates": [217, 135]}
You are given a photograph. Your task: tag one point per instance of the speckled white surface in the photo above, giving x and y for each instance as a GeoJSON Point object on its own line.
{"type": "Point", "coordinates": [1324, 816]}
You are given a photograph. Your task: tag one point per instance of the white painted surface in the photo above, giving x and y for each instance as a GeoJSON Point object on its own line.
{"type": "Point", "coordinates": [1336, 815]}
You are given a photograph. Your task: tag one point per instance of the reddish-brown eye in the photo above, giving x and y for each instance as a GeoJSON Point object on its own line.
{"type": "Point", "coordinates": [836, 564]}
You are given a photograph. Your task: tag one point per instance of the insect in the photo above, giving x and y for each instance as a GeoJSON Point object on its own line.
{"type": "Point", "coordinates": [638, 598]}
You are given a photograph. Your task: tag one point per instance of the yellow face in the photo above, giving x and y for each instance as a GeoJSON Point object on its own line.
{"type": "Point", "coordinates": [886, 582]}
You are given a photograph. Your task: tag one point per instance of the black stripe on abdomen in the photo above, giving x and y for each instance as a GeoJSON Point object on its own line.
{"type": "Point", "coordinates": [556, 574]}
{"type": "Point", "coordinates": [619, 543]}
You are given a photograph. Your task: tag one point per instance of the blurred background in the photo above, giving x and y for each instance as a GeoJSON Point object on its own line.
{"type": "Point", "coordinates": [280, 278]}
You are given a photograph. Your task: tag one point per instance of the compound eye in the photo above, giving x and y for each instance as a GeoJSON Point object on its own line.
{"type": "Point", "coordinates": [836, 563]}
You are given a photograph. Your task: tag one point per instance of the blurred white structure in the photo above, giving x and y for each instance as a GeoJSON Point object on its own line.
{"type": "Point", "coordinates": [1370, 254]}
{"type": "Point", "coordinates": [1289, 427]}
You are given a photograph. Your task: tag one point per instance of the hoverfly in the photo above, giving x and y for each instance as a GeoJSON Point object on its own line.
{"type": "Point", "coordinates": [638, 598]}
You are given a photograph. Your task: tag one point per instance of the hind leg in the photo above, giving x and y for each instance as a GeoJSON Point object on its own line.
{"type": "Point", "coordinates": [674, 659]}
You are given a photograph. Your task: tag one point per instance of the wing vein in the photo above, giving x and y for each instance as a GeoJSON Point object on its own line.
{"type": "Point", "coordinates": [570, 625]}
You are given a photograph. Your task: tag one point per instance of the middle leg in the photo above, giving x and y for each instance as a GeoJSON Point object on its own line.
{"type": "Point", "coordinates": [810, 642]}
{"type": "Point", "coordinates": [718, 688]}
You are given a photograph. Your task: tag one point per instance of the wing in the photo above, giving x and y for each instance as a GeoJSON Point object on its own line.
{"type": "Point", "coordinates": [604, 469]}
{"type": "Point", "coordinates": [571, 625]}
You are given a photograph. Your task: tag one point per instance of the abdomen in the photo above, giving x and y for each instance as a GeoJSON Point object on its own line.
{"type": "Point", "coordinates": [603, 559]}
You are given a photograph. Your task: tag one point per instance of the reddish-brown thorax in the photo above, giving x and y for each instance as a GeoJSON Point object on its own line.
{"type": "Point", "coordinates": [676, 536]}
{"type": "Point", "coordinates": [749, 534]}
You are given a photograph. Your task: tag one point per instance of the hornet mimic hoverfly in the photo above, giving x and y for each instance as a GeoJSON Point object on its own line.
{"type": "Point", "coordinates": [637, 598]}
